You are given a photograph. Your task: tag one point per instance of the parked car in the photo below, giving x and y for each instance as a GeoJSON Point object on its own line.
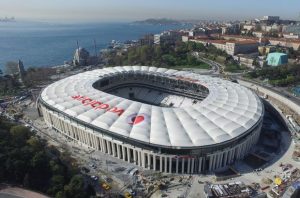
{"type": "Point", "coordinates": [94, 177]}
{"type": "Point", "coordinates": [86, 170]}
{"type": "Point", "coordinates": [107, 179]}
{"type": "Point", "coordinates": [93, 166]}
{"type": "Point", "coordinates": [105, 186]}
{"type": "Point", "coordinates": [127, 195]}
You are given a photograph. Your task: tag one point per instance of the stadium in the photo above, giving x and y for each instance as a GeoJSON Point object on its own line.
{"type": "Point", "coordinates": [157, 118]}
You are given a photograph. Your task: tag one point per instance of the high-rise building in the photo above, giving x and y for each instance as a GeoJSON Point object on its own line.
{"type": "Point", "coordinates": [168, 37]}
{"type": "Point", "coordinates": [271, 18]}
{"type": "Point", "coordinates": [147, 40]}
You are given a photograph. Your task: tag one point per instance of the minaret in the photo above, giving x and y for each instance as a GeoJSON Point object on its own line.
{"type": "Point", "coordinates": [21, 67]}
{"type": "Point", "coordinates": [21, 70]}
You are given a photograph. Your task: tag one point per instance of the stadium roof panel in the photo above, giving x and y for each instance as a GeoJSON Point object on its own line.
{"type": "Point", "coordinates": [227, 112]}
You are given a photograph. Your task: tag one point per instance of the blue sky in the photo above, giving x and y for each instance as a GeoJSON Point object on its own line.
{"type": "Point", "coordinates": [128, 10]}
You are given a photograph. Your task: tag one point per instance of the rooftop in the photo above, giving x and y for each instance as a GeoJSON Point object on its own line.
{"type": "Point", "coordinates": [229, 110]}
{"type": "Point", "coordinates": [277, 54]}
{"type": "Point", "coordinates": [243, 42]}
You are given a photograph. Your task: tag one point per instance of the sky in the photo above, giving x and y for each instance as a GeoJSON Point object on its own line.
{"type": "Point", "coordinates": [129, 10]}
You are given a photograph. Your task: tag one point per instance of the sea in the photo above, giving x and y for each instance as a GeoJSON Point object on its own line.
{"type": "Point", "coordinates": [40, 44]}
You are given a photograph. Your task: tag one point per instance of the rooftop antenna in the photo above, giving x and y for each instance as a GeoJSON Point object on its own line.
{"type": "Point", "coordinates": [78, 51]}
{"type": "Point", "coordinates": [95, 45]}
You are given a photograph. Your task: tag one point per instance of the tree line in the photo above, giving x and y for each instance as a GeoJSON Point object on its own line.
{"type": "Point", "coordinates": [278, 76]}
{"type": "Point", "coordinates": [163, 55]}
{"type": "Point", "coordinates": [27, 161]}
{"type": "Point", "coordinates": [13, 83]}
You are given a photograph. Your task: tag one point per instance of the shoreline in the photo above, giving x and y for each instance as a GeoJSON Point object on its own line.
{"type": "Point", "coordinates": [41, 45]}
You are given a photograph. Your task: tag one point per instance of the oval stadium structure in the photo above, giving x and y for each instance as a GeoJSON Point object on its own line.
{"type": "Point", "coordinates": [160, 119]}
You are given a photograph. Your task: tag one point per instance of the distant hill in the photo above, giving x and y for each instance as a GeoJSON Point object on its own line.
{"type": "Point", "coordinates": [162, 21]}
{"type": "Point", "coordinates": [6, 19]}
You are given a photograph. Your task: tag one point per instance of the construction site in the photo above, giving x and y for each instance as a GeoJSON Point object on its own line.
{"type": "Point", "coordinates": [271, 167]}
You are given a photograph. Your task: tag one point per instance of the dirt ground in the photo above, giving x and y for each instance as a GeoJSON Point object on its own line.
{"type": "Point", "coordinates": [15, 192]}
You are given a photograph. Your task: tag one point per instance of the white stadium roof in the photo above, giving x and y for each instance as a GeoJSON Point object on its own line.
{"type": "Point", "coordinates": [227, 112]}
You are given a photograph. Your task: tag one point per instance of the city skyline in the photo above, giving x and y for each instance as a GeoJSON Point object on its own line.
{"type": "Point", "coordinates": [116, 10]}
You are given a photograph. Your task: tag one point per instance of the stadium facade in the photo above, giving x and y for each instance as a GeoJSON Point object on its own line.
{"type": "Point", "coordinates": [161, 119]}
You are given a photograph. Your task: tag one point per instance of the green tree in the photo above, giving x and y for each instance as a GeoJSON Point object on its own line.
{"type": "Point", "coordinates": [200, 47]}
{"type": "Point", "coordinates": [24, 159]}
{"type": "Point", "coordinates": [169, 59]}
{"type": "Point", "coordinates": [75, 189]}
{"type": "Point", "coordinates": [35, 143]}
{"type": "Point", "coordinates": [132, 56]}
{"type": "Point", "coordinates": [157, 51]}
{"type": "Point", "coordinates": [145, 54]}
{"type": "Point", "coordinates": [192, 60]}
{"type": "Point", "coordinates": [56, 184]}
{"type": "Point", "coordinates": [19, 135]}
{"type": "Point", "coordinates": [57, 168]}
{"type": "Point", "coordinates": [26, 181]}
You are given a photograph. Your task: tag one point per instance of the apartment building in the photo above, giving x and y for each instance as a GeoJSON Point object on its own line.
{"type": "Point", "coordinates": [232, 47]}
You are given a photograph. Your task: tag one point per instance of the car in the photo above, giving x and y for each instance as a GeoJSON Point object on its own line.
{"type": "Point", "coordinates": [107, 179]}
{"type": "Point", "coordinates": [285, 168]}
{"type": "Point", "coordinates": [86, 170]}
{"type": "Point", "coordinates": [132, 192]}
{"type": "Point", "coordinates": [94, 177]}
{"type": "Point", "coordinates": [105, 186]}
{"type": "Point", "coordinates": [127, 195]}
{"type": "Point", "coordinates": [93, 166]}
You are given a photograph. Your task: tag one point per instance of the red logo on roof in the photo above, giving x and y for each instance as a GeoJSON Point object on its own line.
{"type": "Point", "coordinates": [135, 118]}
{"type": "Point", "coordinates": [98, 105]}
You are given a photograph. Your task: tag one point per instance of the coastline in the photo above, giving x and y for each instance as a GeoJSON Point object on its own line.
{"type": "Point", "coordinates": [44, 45]}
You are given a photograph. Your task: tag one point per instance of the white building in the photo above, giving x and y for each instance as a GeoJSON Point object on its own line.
{"type": "Point", "coordinates": [249, 27]}
{"type": "Point", "coordinates": [271, 18]}
{"type": "Point", "coordinates": [231, 47]}
{"type": "Point", "coordinates": [291, 36]}
{"type": "Point", "coordinates": [258, 34]}
{"type": "Point", "coordinates": [241, 47]}
{"type": "Point", "coordinates": [168, 37]}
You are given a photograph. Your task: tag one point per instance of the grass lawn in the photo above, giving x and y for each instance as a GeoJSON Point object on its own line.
{"type": "Point", "coordinates": [220, 59]}
{"type": "Point", "coordinates": [235, 68]}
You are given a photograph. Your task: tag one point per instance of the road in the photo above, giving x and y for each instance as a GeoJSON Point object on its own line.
{"type": "Point", "coordinates": [216, 72]}
{"type": "Point", "coordinates": [215, 66]}
{"type": "Point", "coordinates": [278, 90]}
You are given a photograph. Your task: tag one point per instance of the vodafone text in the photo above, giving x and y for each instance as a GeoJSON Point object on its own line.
{"type": "Point", "coordinates": [98, 105]}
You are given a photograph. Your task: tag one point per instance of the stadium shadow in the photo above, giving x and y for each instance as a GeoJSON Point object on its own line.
{"type": "Point", "coordinates": [275, 140]}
